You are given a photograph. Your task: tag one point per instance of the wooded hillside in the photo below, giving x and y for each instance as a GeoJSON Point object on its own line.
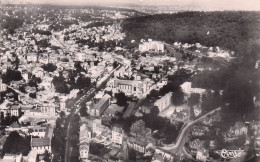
{"type": "Point", "coordinates": [229, 30]}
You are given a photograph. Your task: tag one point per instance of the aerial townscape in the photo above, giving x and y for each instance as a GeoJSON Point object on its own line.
{"type": "Point", "coordinates": [83, 83]}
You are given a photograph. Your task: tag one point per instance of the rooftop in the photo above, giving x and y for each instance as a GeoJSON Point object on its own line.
{"type": "Point", "coordinates": [37, 142]}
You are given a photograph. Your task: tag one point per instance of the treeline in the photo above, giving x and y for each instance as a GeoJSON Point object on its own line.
{"type": "Point", "coordinates": [10, 24]}
{"type": "Point", "coordinates": [229, 30]}
{"type": "Point", "coordinates": [239, 82]}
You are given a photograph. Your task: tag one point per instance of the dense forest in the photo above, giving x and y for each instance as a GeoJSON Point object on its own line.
{"type": "Point", "coordinates": [229, 30]}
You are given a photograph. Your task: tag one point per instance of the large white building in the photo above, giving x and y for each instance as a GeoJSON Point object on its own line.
{"type": "Point", "coordinates": [188, 89]}
{"type": "Point", "coordinates": [156, 46]}
{"type": "Point", "coordinates": [135, 88]}
{"type": "Point", "coordinates": [164, 102]}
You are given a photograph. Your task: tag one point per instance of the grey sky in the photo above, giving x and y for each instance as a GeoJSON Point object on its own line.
{"type": "Point", "coordinates": [213, 4]}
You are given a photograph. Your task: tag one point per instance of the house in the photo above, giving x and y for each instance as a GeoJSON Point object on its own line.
{"type": "Point", "coordinates": [32, 57]}
{"type": "Point", "coordinates": [101, 106]}
{"type": "Point", "coordinates": [38, 131]}
{"type": "Point", "coordinates": [12, 158]}
{"type": "Point", "coordinates": [199, 130]}
{"type": "Point", "coordinates": [197, 110]}
{"type": "Point", "coordinates": [2, 141]}
{"type": "Point", "coordinates": [117, 135]}
{"type": "Point", "coordinates": [48, 109]}
{"type": "Point", "coordinates": [97, 127]}
{"type": "Point", "coordinates": [164, 102]}
{"type": "Point", "coordinates": [196, 145]}
{"type": "Point", "coordinates": [257, 143]}
{"type": "Point", "coordinates": [237, 130]}
{"type": "Point", "coordinates": [156, 46]}
{"type": "Point", "coordinates": [207, 121]}
{"type": "Point", "coordinates": [85, 134]}
{"type": "Point", "coordinates": [255, 126]}
{"type": "Point", "coordinates": [180, 116]}
{"type": "Point", "coordinates": [137, 144]}
{"type": "Point", "coordinates": [167, 156]}
{"type": "Point", "coordinates": [41, 144]}
{"type": "Point", "coordinates": [14, 110]}
{"type": "Point", "coordinates": [3, 87]}
{"type": "Point", "coordinates": [202, 155]}
{"type": "Point", "coordinates": [80, 57]}
{"type": "Point", "coordinates": [38, 72]}
{"type": "Point", "coordinates": [32, 156]}
{"type": "Point", "coordinates": [84, 151]}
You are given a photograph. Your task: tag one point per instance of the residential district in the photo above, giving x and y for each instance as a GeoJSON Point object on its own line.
{"type": "Point", "coordinates": [72, 88]}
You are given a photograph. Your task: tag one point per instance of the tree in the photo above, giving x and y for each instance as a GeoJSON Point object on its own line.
{"type": "Point", "coordinates": [132, 155]}
{"type": "Point", "coordinates": [194, 99]}
{"type": "Point", "coordinates": [154, 111]}
{"type": "Point", "coordinates": [115, 64]}
{"type": "Point", "coordinates": [11, 75]}
{"type": "Point", "coordinates": [121, 99]}
{"type": "Point", "coordinates": [60, 84]}
{"type": "Point", "coordinates": [82, 82]}
{"type": "Point", "coordinates": [16, 144]}
{"type": "Point", "coordinates": [49, 67]}
{"type": "Point", "coordinates": [47, 156]}
{"type": "Point", "coordinates": [32, 95]}
{"type": "Point", "coordinates": [83, 111]}
{"type": "Point", "coordinates": [178, 97]}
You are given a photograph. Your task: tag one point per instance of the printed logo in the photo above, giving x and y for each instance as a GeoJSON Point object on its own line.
{"type": "Point", "coordinates": [229, 154]}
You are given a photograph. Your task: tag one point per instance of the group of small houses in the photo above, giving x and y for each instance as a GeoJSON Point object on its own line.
{"type": "Point", "coordinates": [139, 139]}
{"type": "Point", "coordinates": [41, 136]}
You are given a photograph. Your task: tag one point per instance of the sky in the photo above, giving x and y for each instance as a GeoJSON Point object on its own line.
{"type": "Point", "coordinates": [213, 4]}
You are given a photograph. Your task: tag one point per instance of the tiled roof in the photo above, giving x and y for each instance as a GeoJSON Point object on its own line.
{"type": "Point", "coordinates": [15, 125]}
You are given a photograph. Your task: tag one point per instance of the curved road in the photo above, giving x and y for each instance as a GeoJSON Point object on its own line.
{"type": "Point", "coordinates": [177, 147]}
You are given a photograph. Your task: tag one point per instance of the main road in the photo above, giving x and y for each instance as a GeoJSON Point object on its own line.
{"type": "Point", "coordinates": [76, 106]}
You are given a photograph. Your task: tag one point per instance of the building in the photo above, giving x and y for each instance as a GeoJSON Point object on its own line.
{"type": "Point", "coordinates": [164, 102]}
{"type": "Point", "coordinates": [80, 57]}
{"type": "Point", "coordinates": [97, 127]}
{"type": "Point", "coordinates": [197, 110]}
{"type": "Point", "coordinates": [32, 156]}
{"type": "Point", "coordinates": [117, 135]}
{"type": "Point", "coordinates": [32, 57]}
{"type": "Point", "coordinates": [167, 156]}
{"type": "Point", "coordinates": [85, 133]}
{"type": "Point", "coordinates": [3, 87]}
{"type": "Point", "coordinates": [101, 106]}
{"type": "Point", "coordinates": [12, 158]}
{"type": "Point", "coordinates": [135, 88]}
{"type": "Point", "coordinates": [188, 89]}
{"type": "Point", "coordinates": [155, 46]}
{"type": "Point", "coordinates": [237, 130]}
{"type": "Point", "coordinates": [137, 144]}
{"type": "Point", "coordinates": [202, 155]}
{"type": "Point", "coordinates": [41, 144]}
{"type": "Point", "coordinates": [39, 131]}
{"type": "Point", "coordinates": [84, 151]}
{"type": "Point", "coordinates": [48, 109]}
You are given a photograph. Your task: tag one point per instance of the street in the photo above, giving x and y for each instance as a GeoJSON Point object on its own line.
{"type": "Point", "coordinates": [75, 108]}
{"type": "Point", "coordinates": [182, 138]}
